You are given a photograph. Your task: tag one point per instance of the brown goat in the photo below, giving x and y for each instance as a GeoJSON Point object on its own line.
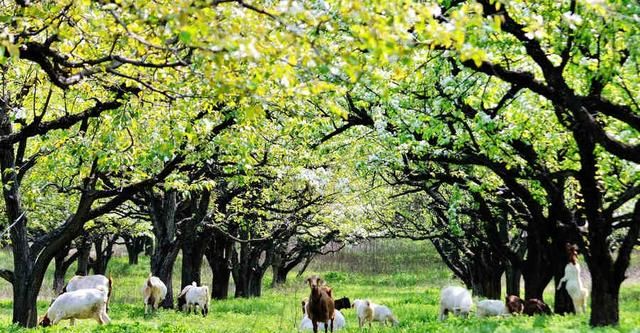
{"type": "Point", "coordinates": [534, 306]}
{"type": "Point", "coordinates": [321, 306]}
{"type": "Point", "coordinates": [514, 304]}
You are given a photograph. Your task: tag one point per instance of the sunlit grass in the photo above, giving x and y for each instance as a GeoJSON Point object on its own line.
{"type": "Point", "coordinates": [411, 291]}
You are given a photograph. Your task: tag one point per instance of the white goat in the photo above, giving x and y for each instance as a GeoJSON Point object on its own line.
{"type": "Point", "coordinates": [90, 281]}
{"type": "Point", "coordinates": [154, 292]}
{"type": "Point", "coordinates": [455, 299]}
{"type": "Point", "coordinates": [79, 304]}
{"type": "Point", "coordinates": [369, 312]}
{"type": "Point", "coordinates": [195, 296]}
{"type": "Point", "coordinates": [491, 307]}
{"type": "Point", "coordinates": [338, 320]}
{"type": "Point", "coordinates": [575, 288]}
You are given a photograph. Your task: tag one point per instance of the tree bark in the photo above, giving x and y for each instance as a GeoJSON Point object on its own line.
{"type": "Point", "coordinates": [193, 239]}
{"type": "Point", "coordinates": [103, 254]}
{"type": "Point", "coordinates": [62, 264]}
{"type": "Point", "coordinates": [604, 299]}
{"type": "Point", "coordinates": [512, 277]}
{"type": "Point", "coordinates": [280, 273]}
{"type": "Point", "coordinates": [134, 245]}
{"type": "Point", "coordinates": [247, 268]}
{"type": "Point", "coordinates": [24, 301]}
{"type": "Point", "coordinates": [218, 255]}
{"type": "Point", "coordinates": [84, 251]}
{"type": "Point", "coordinates": [162, 209]}
{"type": "Point", "coordinates": [162, 263]}
{"type": "Point", "coordinates": [537, 271]}
{"type": "Point", "coordinates": [489, 286]}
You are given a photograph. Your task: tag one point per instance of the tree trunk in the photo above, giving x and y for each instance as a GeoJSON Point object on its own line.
{"type": "Point", "coordinates": [192, 256]}
{"type": "Point", "coordinates": [248, 284]}
{"type": "Point", "coordinates": [84, 251]}
{"type": "Point", "coordinates": [192, 239]}
{"type": "Point", "coordinates": [247, 270]}
{"type": "Point", "coordinates": [58, 276]}
{"type": "Point", "coordinates": [512, 277]}
{"type": "Point", "coordinates": [162, 263]}
{"type": "Point", "coordinates": [134, 246]}
{"type": "Point", "coordinates": [218, 255]}
{"type": "Point", "coordinates": [279, 274]}
{"type": "Point", "coordinates": [62, 264]}
{"type": "Point", "coordinates": [255, 283]}
{"type": "Point", "coordinates": [24, 301]}
{"type": "Point", "coordinates": [103, 254]}
{"type": "Point", "coordinates": [537, 271]}
{"type": "Point", "coordinates": [604, 300]}
{"type": "Point", "coordinates": [485, 274]}
{"type": "Point", "coordinates": [163, 213]}
{"type": "Point", "coordinates": [489, 286]}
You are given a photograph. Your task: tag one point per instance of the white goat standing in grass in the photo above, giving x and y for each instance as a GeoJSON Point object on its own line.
{"type": "Point", "coordinates": [368, 312]}
{"type": "Point", "coordinates": [574, 286]}
{"type": "Point", "coordinates": [455, 299]}
{"type": "Point", "coordinates": [79, 304]}
{"type": "Point", "coordinates": [154, 292]}
{"type": "Point", "coordinates": [195, 296]}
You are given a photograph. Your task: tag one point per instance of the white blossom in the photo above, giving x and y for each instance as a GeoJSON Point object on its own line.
{"type": "Point", "coordinates": [572, 19]}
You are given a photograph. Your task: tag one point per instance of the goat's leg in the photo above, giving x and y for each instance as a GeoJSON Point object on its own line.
{"type": "Point", "coordinates": [105, 317]}
{"type": "Point", "coordinates": [314, 324]}
{"type": "Point", "coordinates": [332, 325]}
{"type": "Point", "coordinates": [73, 321]}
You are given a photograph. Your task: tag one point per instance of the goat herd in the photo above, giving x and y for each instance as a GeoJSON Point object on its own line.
{"type": "Point", "coordinates": [86, 297]}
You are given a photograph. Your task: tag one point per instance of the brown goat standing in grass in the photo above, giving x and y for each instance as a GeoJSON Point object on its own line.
{"type": "Point", "coordinates": [321, 306]}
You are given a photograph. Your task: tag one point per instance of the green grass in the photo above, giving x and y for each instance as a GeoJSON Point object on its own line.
{"type": "Point", "coordinates": [410, 290]}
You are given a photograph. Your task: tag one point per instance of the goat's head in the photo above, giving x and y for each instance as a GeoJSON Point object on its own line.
{"type": "Point", "coordinates": [572, 253]}
{"type": "Point", "coordinates": [514, 304]}
{"type": "Point", "coordinates": [315, 282]}
{"type": "Point", "coordinates": [342, 303]}
{"type": "Point", "coordinates": [45, 321]}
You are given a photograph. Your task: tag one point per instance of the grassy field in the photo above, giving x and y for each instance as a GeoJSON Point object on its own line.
{"type": "Point", "coordinates": [407, 278]}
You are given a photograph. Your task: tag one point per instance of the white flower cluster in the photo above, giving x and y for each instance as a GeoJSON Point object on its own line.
{"type": "Point", "coordinates": [316, 178]}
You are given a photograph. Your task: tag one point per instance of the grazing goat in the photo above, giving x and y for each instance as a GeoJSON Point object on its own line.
{"type": "Point", "coordinates": [78, 304]}
{"type": "Point", "coordinates": [195, 296]}
{"type": "Point", "coordinates": [320, 308]}
{"type": "Point", "coordinates": [182, 298]}
{"type": "Point", "coordinates": [90, 281]}
{"type": "Point", "coordinates": [491, 307]}
{"type": "Point", "coordinates": [369, 312]}
{"type": "Point", "coordinates": [534, 306]}
{"type": "Point", "coordinates": [515, 305]}
{"type": "Point", "coordinates": [342, 303]}
{"type": "Point", "coordinates": [154, 292]}
{"type": "Point", "coordinates": [338, 320]}
{"type": "Point", "coordinates": [455, 299]}
{"type": "Point", "coordinates": [574, 286]}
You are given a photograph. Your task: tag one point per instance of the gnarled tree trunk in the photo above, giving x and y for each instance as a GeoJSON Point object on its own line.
{"type": "Point", "coordinates": [218, 255]}
{"type": "Point", "coordinates": [162, 209]}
